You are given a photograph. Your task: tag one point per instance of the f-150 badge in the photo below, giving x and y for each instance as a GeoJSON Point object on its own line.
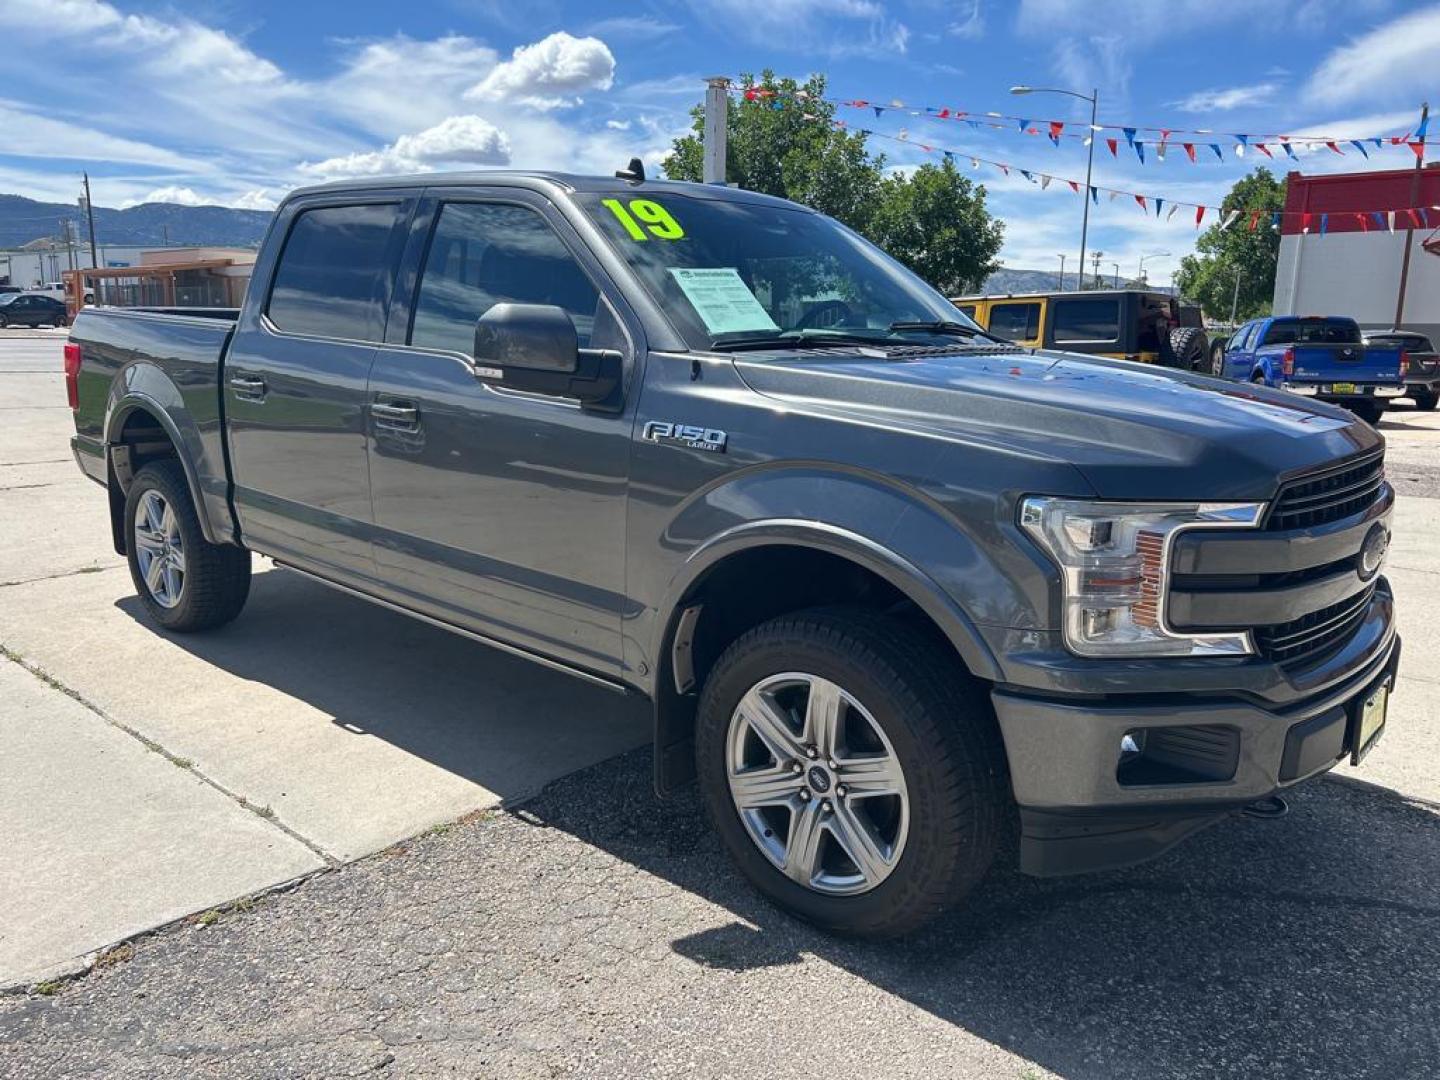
{"type": "Point", "coordinates": [711, 440]}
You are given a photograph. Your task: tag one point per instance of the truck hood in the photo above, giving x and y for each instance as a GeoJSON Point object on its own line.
{"type": "Point", "coordinates": [1134, 432]}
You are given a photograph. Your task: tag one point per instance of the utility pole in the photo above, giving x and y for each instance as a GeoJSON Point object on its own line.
{"type": "Point", "coordinates": [1095, 259]}
{"type": "Point", "coordinates": [1410, 229]}
{"type": "Point", "coordinates": [1062, 272]}
{"type": "Point", "coordinates": [717, 129]}
{"type": "Point", "coordinates": [1116, 265]}
{"type": "Point", "coordinates": [1235, 299]}
{"type": "Point", "coordinates": [90, 215]}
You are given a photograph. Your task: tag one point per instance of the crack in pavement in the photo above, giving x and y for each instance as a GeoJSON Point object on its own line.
{"type": "Point", "coordinates": [265, 814]}
{"type": "Point", "coordinates": [42, 461]}
{"type": "Point", "coordinates": [27, 487]}
{"type": "Point", "coordinates": [61, 574]}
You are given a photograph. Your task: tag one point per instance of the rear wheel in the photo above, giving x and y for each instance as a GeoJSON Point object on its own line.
{"type": "Point", "coordinates": [185, 582]}
{"type": "Point", "coordinates": [1188, 348]}
{"type": "Point", "coordinates": [1369, 411]}
{"type": "Point", "coordinates": [852, 771]}
{"type": "Point", "coordinates": [1217, 359]}
{"type": "Point", "coordinates": [4, 322]}
{"type": "Point", "coordinates": [1426, 400]}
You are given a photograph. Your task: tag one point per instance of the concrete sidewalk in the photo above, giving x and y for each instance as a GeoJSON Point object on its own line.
{"type": "Point", "coordinates": [146, 776]}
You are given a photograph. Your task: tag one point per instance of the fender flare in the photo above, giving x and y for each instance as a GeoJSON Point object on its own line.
{"type": "Point", "coordinates": [121, 410]}
{"type": "Point", "coordinates": [675, 710]}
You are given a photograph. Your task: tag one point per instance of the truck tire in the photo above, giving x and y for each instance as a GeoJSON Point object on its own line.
{"type": "Point", "coordinates": [1426, 400]}
{"type": "Point", "coordinates": [1189, 348]}
{"type": "Point", "coordinates": [185, 582]}
{"type": "Point", "coordinates": [1217, 359]}
{"type": "Point", "coordinates": [906, 725]}
{"type": "Point", "coordinates": [1369, 411]}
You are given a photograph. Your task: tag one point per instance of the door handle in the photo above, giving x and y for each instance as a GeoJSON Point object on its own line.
{"type": "Point", "coordinates": [403, 416]}
{"type": "Point", "coordinates": [248, 387]}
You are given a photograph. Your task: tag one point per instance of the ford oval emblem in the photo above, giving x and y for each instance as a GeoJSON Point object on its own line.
{"type": "Point", "coordinates": [1373, 550]}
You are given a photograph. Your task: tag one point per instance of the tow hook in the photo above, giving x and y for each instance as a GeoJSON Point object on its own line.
{"type": "Point", "coordinates": [1270, 808]}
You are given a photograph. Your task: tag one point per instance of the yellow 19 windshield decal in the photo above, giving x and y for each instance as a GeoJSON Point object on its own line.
{"type": "Point", "coordinates": [645, 218]}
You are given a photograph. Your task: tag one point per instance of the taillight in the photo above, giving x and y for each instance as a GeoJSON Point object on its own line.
{"type": "Point", "coordinates": [72, 374]}
{"type": "Point", "coordinates": [1404, 364]}
{"type": "Point", "coordinates": [1287, 363]}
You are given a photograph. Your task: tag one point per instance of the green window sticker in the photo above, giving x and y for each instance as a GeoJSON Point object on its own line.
{"type": "Point", "coordinates": [644, 218]}
{"type": "Point", "coordinates": [722, 299]}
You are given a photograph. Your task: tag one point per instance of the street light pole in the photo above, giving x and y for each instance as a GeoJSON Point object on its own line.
{"type": "Point", "coordinates": [1062, 273]}
{"type": "Point", "coordinates": [1116, 265]}
{"type": "Point", "coordinates": [1152, 255]}
{"type": "Point", "coordinates": [1094, 99]}
{"type": "Point", "coordinates": [1235, 299]}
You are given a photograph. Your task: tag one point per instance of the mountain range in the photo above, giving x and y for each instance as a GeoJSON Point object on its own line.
{"type": "Point", "coordinates": [23, 220]}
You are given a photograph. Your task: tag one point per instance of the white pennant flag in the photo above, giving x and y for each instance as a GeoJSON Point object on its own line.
{"type": "Point", "coordinates": [1114, 195]}
{"type": "Point", "coordinates": [1172, 211]}
{"type": "Point", "coordinates": [1391, 216]}
{"type": "Point", "coordinates": [1231, 216]}
{"type": "Point", "coordinates": [1044, 182]}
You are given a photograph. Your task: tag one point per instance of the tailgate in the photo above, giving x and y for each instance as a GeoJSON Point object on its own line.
{"type": "Point", "coordinates": [1346, 363]}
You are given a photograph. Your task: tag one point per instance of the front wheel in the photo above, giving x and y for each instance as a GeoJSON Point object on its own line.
{"type": "Point", "coordinates": [185, 582]}
{"type": "Point", "coordinates": [853, 771]}
{"type": "Point", "coordinates": [4, 322]}
{"type": "Point", "coordinates": [1369, 411]}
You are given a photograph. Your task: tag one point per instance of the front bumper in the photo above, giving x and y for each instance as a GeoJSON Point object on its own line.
{"type": "Point", "coordinates": [1080, 811]}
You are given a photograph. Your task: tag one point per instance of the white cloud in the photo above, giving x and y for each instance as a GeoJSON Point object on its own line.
{"type": "Point", "coordinates": [1388, 61]}
{"type": "Point", "coordinates": [549, 73]}
{"type": "Point", "coordinates": [256, 199]}
{"type": "Point", "coordinates": [971, 24]}
{"type": "Point", "coordinates": [827, 27]}
{"type": "Point", "coordinates": [29, 134]}
{"type": "Point", "coordinates": [459, 140]}
{"type": "Point", "coordinates": [632, 28]}
{"type": "Point", "coordinates": [172, 194]}
{"type": "Point", "coordinates": [618, 125]}
{"type": "Point", "coordinates": [1233, 97]}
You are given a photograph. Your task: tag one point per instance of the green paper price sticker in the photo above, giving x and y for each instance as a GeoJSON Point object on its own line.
{"type": "Point", "coordinates": [644, 218]}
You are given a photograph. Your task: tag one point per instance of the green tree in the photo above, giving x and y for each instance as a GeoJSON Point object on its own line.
{"type": "Point", "coordinates": [936, 223]}
{"type": "Point", "coordinates": [1209, 276]}
{"type": "Point", "coordinates": [934, 220]}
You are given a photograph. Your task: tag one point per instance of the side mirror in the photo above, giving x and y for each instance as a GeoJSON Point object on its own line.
{"type": "Point", "coordinates": [534, 348]}
{"type": "Point", "coordinates": [536, 337]}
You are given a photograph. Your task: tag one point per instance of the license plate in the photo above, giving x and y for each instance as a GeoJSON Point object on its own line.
{"type": "Point", "coordinates": [1342, 388]}
{"type": "Point", "coordinates": [1370, 722]}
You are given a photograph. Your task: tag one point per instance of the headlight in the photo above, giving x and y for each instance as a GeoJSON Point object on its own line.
{"type": "Point", "coordinates": [1114, 560]}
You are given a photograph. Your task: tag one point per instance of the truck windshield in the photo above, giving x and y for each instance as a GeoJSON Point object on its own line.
{"type": "Point", "coordinates": [1313, 332]}
{"type": "Point", "coordinates": [728, 272]}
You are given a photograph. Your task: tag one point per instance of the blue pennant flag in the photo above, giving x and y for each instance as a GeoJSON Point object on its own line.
{"type": "Point", "coordinates": [878, 110]}
{"type": "Point", "coordinates": [1378, 218]}
{"type": "Point", "coordinates": [1216, 148]}
{"type": "Point", "coordinates": [1027, 176]}
{"type": "Point", "coordinates": [1139, 151]}
{"type": "Point", "coordinates": [1290, 150]}
{"type": "Point", "coordinates": [974, 124]}
{"type": "Point", "coordinates": [1024, 124]}
{"type": "Point", "coordinates": [1275, 219]}
{"type": "Point", "coordinates": [1130, 136]}
{"type": "Point", "coordinates": [1243, 140]}
{"type": "Point", "coordinates": [1324, 223]}
{"type": "Point", "coordinates": [1420, 131]}
{"type": "Point", "coordinates": [1361, 147]}
{"type": "Point", "coordinates": [949, 155]}
{"type": "Point", "coordinates": [1095, 195]}
{"type": "Point", "coordinates": [1379, 142]}
{"type": "Point", "coordinates": [1159, 202]}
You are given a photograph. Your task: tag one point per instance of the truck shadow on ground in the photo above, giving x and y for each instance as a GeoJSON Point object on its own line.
{"type": "Point", "coordinates": [1304, 946]}
{"type": "Point", "coordinates": [494, 719]}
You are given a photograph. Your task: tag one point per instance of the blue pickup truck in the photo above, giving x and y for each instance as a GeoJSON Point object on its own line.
{"type": "Point", "coordinates": [1318, 356]}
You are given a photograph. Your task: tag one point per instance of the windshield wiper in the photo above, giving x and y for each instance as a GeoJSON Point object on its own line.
{"type": "Point", "coordinates": [939, 326]}
{"type": "Point", "coordinates": [794, 339]}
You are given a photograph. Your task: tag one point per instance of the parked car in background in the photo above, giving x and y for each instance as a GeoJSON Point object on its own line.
{"type": "Point", "coordinates": [1422, 365]}
{"type": "Point", "coordinates": [31, 309]}
{"type": "Point", "coordinates": [1126, 324]}
{"type": "Point", "coordinates": [1319, 356]}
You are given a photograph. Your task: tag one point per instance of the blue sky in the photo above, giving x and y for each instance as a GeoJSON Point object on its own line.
{"type": "Point", "coordinates": [218, 101]}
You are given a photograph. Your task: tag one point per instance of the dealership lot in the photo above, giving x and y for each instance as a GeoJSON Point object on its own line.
{"type": "Point", "coordinates": [146, 778]}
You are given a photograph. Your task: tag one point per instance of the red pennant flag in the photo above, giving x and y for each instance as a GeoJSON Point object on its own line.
{"type": "Point", "coordinates": [1164, 134]}
{"type": "Point", "coordinates": [1264, 149]}
{"type": "Point", "coordinates": [1304, 223]}
{"type": "Point", "coordinates": [1364, 221]}
{"type": "Point", "coordinates": [1337, 149]}
{"type": "Point", "coordinates": [1414, 218]}
{"type": "Point", "coordinates": [1199, 213]}
{"type": "Point", "coordinates": [751, 94]}
{"type": "Point", "coordinates": [1419, 148]}
{"type": "Point", "coordinates": [1189, 150]}
{"type": "Point", "coordinates": [1141, 200]}
{"type": "Point", "coordinates": [1254, 217]}
{"type": "Point", "coordinates": [1111, 143]}
{"type": "Point", "coordinates": [1074, 186]}
{"type": "Point", "coordinates": [944, 114]}
{"type": "Point", "coordinates": [1056, 127]}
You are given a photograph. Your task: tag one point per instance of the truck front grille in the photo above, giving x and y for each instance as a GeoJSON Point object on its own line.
{"type": "Point", "coordinates": [1323, 497]}
{"type": "Point", "coordinates": [1307, 637]}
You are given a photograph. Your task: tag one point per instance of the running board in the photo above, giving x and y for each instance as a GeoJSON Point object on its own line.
{"type": "Point", "coordinates": [505, 647]}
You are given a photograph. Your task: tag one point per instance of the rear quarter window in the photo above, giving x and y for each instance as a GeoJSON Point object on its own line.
{"type": "Point", "coordinates": [1018, 322]}
{"type": "Point", "coordinates": [333, 276]}
{"type": "Point", "coordinates": [1087, 320]}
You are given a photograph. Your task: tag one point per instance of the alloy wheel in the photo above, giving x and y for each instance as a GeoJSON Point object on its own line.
{"type": "Point", "coordinates": [817, 784]}
{"type": "Point", "coordinates": [160, 549]}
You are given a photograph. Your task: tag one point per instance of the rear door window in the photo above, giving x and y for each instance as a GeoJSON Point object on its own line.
{"type": "Point", "coordinates": [1018, 322]}
{"type": "Point", "coordinates": [1087, 320]}
{"type": "Point", "coordinates": [333, 278]}
{"type": "Point", "coordinates": [968, 310]}
{"type": "Point", "coordinates": [1313, 332]}
{"type": "Point", "coordinates": [483, 254]}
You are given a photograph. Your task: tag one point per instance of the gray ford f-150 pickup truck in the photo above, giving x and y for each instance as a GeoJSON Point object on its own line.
{"type": "Point", "coordinates": [896, 589]}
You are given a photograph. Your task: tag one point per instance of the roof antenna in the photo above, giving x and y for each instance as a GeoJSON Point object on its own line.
{"type": "Point", "coordinates": [634, 172]}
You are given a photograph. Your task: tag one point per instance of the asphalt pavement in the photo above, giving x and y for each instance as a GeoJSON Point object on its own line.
{"type": "Point", "coordinates": [590, 930]}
